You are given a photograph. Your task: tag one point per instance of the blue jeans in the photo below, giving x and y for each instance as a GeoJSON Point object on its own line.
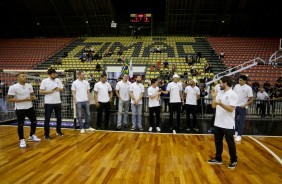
{"type": "Point", "coordinates": [86, 108]}
{"type": "Point", "coordinates": [123, 107]}
{"type": "Point", "coordinates": [240, 117]}
{"type": "Point", "coordinates": [136, 113]}
{"type": "Point", "coordinates": [3, 105]}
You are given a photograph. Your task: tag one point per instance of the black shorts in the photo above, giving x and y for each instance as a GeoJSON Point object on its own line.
{"type": "Point", "coordinates": [22, 113]}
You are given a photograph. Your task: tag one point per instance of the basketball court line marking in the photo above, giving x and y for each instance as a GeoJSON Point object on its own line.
{"type": "Point", "coordinates": [267, 149]}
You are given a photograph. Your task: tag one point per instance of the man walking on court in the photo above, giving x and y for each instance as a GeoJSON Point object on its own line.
{"type": "Point", "coordinates": [51, 88]}
{"type": "Point", "coordinates": [103, 96]}
{"type": "Point", "coordinates": [225, 102]}
{"type": "Point", "coordinates": [22, 94]}
{"type": "Point", "coordinates": [81, 96]}
{"type": "Point", "coordinates": [245, 98]}
{"type": "Point", "coordinates": [122, 92]}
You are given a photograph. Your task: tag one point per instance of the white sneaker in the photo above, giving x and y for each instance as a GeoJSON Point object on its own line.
{"type": "Point", "coordinates": [238, 138]}
{"type": "Point", "coordinates": [90, 129]}
{"type": "Point", "coordinates": [235, 135]}
{"type": "Point", "coordinates": [22, 143]}
{"type": "Point", "coordinates": [158, 129]}
{"type": "Point", "coordinates": [82, 131]}
{"type": "Point", "coordinates": [34, 138]}
{"type": "Point", "coordinates": [150, 129]}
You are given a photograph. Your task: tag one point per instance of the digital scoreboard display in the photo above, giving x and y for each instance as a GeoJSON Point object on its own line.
{"type": "Point", "coordinates": [140, 18]}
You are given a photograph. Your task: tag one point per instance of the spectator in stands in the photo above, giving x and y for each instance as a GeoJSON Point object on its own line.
{"type": "Point", "coordinates": [158, 49]}
{"type": "Point", "coordinates": [92, 49]}
{"type": "Point", "coordinates": [165, 64]}
{"type": "Point", "coordinates": [245, 98]}
{"type": "Point", "coordinates": [278, 84]}
{"type": "Point", "coordinates": [123, 94]}
{"type": "Point", "coordinates": [119, 53]}
{"type": "Point", "coordinates": [154, 105]}
{"type": "Point", "coordinates": [81, 95]}
{"type": "Point", "coordinates": [108, 54]}
{"type": "Point", "coordinates": [98, 67]}
{"type": "Point", "coordinates": [207, 68]}
{"type": "Point", "coordinates": [255, 87]}
{"type": "Point", "coordinates": [51, 87]}
{"type": "Point", "coordinates": [185, 75]}
{"type": "Point", "coordinates": [22, 95]}
{"type": "Point", "coordinates": [221, 55]}
{"type": "Point", "coordinates": [225, 102]}
{"type": "Point", "coordinates": [103, 97]}
{"type": "Point", "coordinates": [97, 56]}
{"type": "Point", "coordinates": [65, 54]}
{"type": "Point", "coordinates": [192, 93]}
{"type": "Point", "coordinates": [91, 82]}
{"type": "Point", "coordinates": [136, 95]}
{"type": "Point", "coordinates": [176, 100]}
{"type": "Point", "coordinates": [83, 58]}
{"type": "Point", "coordinates": [273, 100]}
{"type": "Point", "coordinates": [262, 98]}
{"type": "Point", "coordinates": [152, 68]}
{"type": "Point", "coordinates": [173, 68]}
{"type": "Point", "coordinates": [267, 86]}
{"type": "Point", "coordinates": [164, 97]}
{"type": "Point", "coordinates": [158, 65]}
{"type": "Point", "coordinates": [3, 108]}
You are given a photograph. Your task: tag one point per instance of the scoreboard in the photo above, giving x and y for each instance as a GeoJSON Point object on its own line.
{"type": "Point", "coordinates": [140, 18]}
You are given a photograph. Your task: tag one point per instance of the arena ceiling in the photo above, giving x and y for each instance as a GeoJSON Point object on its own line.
{"type": "Point", "coordinates": [70, 18]}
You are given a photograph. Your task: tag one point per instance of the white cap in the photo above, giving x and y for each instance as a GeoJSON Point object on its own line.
{"type": "Point", "coordinates": [175, 76]}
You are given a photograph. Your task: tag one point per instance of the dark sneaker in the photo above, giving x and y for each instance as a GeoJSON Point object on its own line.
{"type": "Point", "coordinates": [210, 131]}
{"type": "Point", "coordinates": [132, 129]}
{"type": "Point", "coordinates": [141, 129]}
{"type": "Point", "coordinates": [232, 165]}
{"type": "Point", "coordinates": [118, 127]}
{"type": "Point", "coordinates": [125, 126]}
{"type": "Point", "coordinates": [46, 137]}
{"type": "Point", "coordinates": [188, 129]}
{"type": "Point", "coordinates": [214, 161]}
{"type": "Point", "coordinates": [60, 134]}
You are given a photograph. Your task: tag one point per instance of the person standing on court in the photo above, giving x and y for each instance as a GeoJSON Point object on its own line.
{"type": "Point", "coordinates": [154, 105]}
{"type": "Point", "coordinates": [136, 94]}
{"type": "Point", "coordinates": [22, 95]}
{"type": "Point", "coordinates": [51, 88]}
{"type": "Point", "coordinates": [175, 100]}
{"type": "Point", "coordinates": [245, 98]}
{"type": "Point", "coordinates": [103, 96]}
{"type": "Point", "coordinates": [122, 92]}
{"type": "Point", "coordinates": [192, 93]}
{"type": "Point", "coordinates": [81, 95]}
{"type": "Point", "coordinates": [225, 102]}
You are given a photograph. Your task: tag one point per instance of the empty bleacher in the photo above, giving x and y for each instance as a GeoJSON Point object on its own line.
{"type": "Point", "coordinates": [241, 49]}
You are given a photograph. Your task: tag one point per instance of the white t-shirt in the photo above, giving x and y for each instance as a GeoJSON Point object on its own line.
{"type": "Point", "coordinates": [103, 91]}
{"type": "Point", "coordinates": [81, 88]}
{"type": "Point", "coordinates": [21, 92]}
{"type": "Point", "coordinates": [262, 95]}
{"type": "Point", "coordinates": [137, 90]}
{"type": "Point", "coordinates": [223, 118]}
{"type": "Point", "coordinates": [174, 96]}
{"type": "Point", "coordinates": [153, 102]}
{"type": "Point", "coordinates": [191, 97]}
{"type": "Point", "coordinates": [48, 85]}
{"type": "Point", "coordinates": [243, 92]}
{"type": "Point", "coordinates": [123, 89]}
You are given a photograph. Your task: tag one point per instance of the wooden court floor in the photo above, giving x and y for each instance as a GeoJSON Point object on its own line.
{"type": "Point", "coordinates": [125, 157]}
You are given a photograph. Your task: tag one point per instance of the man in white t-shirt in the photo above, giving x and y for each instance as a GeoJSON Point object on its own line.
{"type": "Point", "coordinates": [192, 93]}
{"type": "Point", "coordinates": [154, 105]}
{"type": "Point", "coordinates": [136, 95]}
{"type": "Point", "coordinates": [175, 100]}
{"type": "Point", "coordinates": [81, 95]}
{"type": "Point", "coordinates": [51, 88]}
{"type": "Point", "coordinates": [22, 95]}
{"type": "Point", "coordinates": [122, 92]}
{"type": "Point", "coordinates": [245, 98]}
{"type": "Point", "coordinates": [225, 102]}
{"type": "Point", "coordinates": [217, 90]}
{"type": "Point", "coordinates": [103, 96]}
